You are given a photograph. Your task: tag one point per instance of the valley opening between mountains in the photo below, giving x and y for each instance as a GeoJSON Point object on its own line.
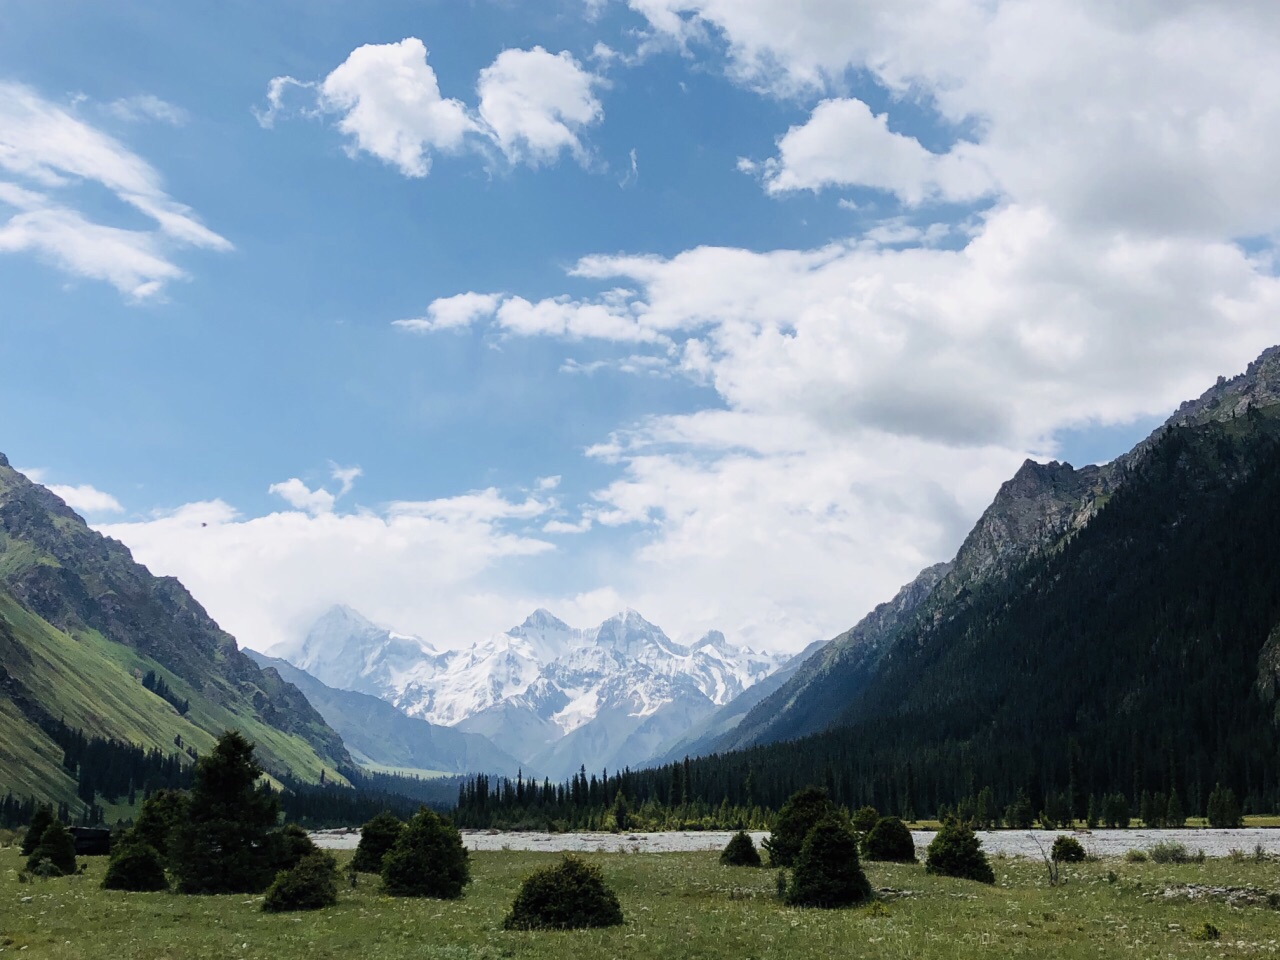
{"type": "Point", "coordinates": [1099, 660]}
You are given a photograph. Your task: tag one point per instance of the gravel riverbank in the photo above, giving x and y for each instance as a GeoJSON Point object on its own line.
{"type": "Point", "coordinates": [1014, 843]}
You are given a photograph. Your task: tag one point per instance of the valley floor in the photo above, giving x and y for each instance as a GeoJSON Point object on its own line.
{"type": "Point", "coordinates": [681, 905]}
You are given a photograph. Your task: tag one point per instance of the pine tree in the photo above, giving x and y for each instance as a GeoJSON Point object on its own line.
{"type": "Point", "coordinates": [222, 846]}
{"type": "Point", "coordinates": [827, 872]}
{"type": "Point", "coordinates": [797, 817]}
{"type": "Point", "coordinates": [57, 848]}
{"type": "Point", "coordinates": [1175, 816]}
{"type": "Point", "coordinates": [40, 822]}
{"type": "Point", "coordinates": [427, 860]}
{"type": "Point", "coordinates": [377, 837]}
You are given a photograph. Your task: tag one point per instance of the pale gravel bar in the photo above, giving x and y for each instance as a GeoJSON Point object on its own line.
{"type": "Point", "coordinates": [1014, 843]}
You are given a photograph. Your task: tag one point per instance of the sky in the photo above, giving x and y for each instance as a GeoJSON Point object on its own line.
{"type": "Point", "coordinates": [734, 312]}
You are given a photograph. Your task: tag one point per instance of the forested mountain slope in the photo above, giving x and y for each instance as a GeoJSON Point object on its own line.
{"type": "Point", "coordinates": [1139, 650]}
{"type": "Point", "coordinates": [82, 626]}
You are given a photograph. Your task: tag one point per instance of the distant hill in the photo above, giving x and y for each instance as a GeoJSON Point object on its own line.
{"type": "Point", "coordinates": [380, 736]}
{"type": "Point", "coordinates": [82, 625]}
{"type": "Point", "coordinates": [1110, 628]}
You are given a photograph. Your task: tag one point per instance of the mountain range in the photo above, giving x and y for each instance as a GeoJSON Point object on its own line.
{"type": "Point", "coordinates": [555, 696]}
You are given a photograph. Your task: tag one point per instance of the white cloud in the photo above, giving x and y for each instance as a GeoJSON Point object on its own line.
{"type": "Point", "coordinates": [1149, 117]}
{"type": "Point", "coordinates": [533, 106]}
{"type": "Point", "coordinates": [453, 313]}
{"type": "Point", "coordinates": [146, 106]}
{"type": "Point", "coordinates": [347, 476]}
{"type": "Point", "coordinates": [391, 106]}
{"type": "Point", "coordinates": [844, 144]}
{"type": "Point", "coordinates": [87, 499]}
{"type": "Point", "coordinates": [432, 567]}
{"type": "Point", "coordinates": [53, 151]}
{"type": "Point", "coordinates": [536, 103]}
{"type": "Point", "coordinates": [297, 494]}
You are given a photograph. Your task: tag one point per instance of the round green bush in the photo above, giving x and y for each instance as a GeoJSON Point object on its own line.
{"type": "Point", "coordinates": [569, 896]}
{"type": "Point", "coordinates": [740, 851]}
{"type": "Point", "coordinates": [796, 818]}
{"type": "Point", "coordinates": [137, 867]}
{"type": "Point", "coordinates": [890, 840]}
{"type": "Point", "coordinates": [1067, 850]}
{"type": "Point", "coordinates": [427, 860]}
{"type": "Point", "coordinates": [377, 837]}
{"type": "Point", "coordinates": [957, 852]}
{"type": "Point", "coordinates": [56, 850]}
{"type": "Point", "coordinates": [827, 872]}
{"type": "Point", "coordinates": [311, 884]}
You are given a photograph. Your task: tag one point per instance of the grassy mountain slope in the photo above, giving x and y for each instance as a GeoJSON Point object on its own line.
{"type": "Point", "coordinates": [381, 737]}
{"type": "Point", "coordinates": [81, 623]}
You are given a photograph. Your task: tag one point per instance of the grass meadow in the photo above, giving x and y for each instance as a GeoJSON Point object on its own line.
{"type": "Point", "coordinates": [677, 905]}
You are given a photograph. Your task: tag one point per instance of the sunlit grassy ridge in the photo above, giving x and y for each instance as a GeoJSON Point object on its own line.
{"type": "Point", "coordinates": [92, 684]}
{"type": "Point", "coordinates": [676, 905]}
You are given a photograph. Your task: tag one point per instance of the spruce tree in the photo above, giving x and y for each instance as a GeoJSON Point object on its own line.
{"type": "Point", "coordinates": [569, 896]}
{"type": "Point", "coordinates": [740, 851]}
{"type": "Point", "coordinates": [40, 821]}
{"type": "Point", "coordinates": [137, 867]}
{"type": "Point", "coordinates": [223, 845]}
{"type": "Point", "coordinates": [161, 814]}
{"type": "Point", "coordinates": [377, 837]}
{"type": "Point", "coordinates": [57, 848]}
{"type": "Point", "coordinates": [827, 872]}
{"type": "Point", "coordinates": [427, 860]}
{"type": "Point", "coordinates": [957, 852]}
{"type": "Point", "coordinates": [797, 817]}
{"type": "Point", "coordinates": [890, 841]}
{"type": "Point", "coordinates": [1175, 816]}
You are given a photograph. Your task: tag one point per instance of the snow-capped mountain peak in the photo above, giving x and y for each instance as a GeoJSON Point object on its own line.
{"type": "Point", "coordinates": [552, 695]}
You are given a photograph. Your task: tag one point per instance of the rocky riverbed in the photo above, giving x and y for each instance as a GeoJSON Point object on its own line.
{"type": "Point", "coordinates": [1015, 843]}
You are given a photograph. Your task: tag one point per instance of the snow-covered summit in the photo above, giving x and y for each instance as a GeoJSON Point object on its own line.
{"type": "Point", "coordinates": [550, 694]}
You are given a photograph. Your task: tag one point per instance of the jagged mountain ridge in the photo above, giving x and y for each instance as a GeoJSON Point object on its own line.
{"type": "Point", "coordinates": [553, 695]}
{"type": "Point", "coordinates": [80, 625]}
{"type": "Point", "coordinates": [1034, 513]}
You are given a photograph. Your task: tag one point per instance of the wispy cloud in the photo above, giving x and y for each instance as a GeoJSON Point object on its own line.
{"type": "Point", "coordinates": [50, 152]}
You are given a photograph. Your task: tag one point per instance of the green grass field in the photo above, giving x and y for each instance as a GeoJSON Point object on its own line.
{"type": "Point", "coordinates": [676, 906]}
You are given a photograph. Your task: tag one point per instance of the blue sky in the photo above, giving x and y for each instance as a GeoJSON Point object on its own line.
{"type": "Point", "coordinates": [734, 312]}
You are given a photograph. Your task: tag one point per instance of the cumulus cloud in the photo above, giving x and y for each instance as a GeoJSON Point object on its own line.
{"type": "Point", "coordinates": [533, 106]}
{"type": "Point", "coordinates": [1157, 117]}
{"type": "Point", "coordinates": [298, 495]}
{"type": "Point", "coordinates": [51, 152]}
{"type": "Point", "coordinates": [844, 144]}
{"type": "Point", "coordinates": [433, 566]}
{"type": "Point", "coordinates": [391, 107]}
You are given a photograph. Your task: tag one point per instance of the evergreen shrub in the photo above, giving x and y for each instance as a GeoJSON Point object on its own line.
{"type": "Point", "coordinates": [797, 817]}
{"type": "Point", "coordinates": [572, 895]}
{"type": "Point", "coordinates": [311, 884]}
{"type": "Point", "coordinates": [137, 867]}
{"type": "Point", "coordinates": [957, 852]}
{"type": "Point", "coordinates": [288, 846]}
{"type": "Point", "coordinates": [1067, 850]}
{"type": "Point", "coordinates": [427, 860]}
{"type": "Point", "coordinates": [890, 840]}
{"type": "Point", "coordinates": [56, 850]}
{"type": "Point", "coordinates": [827, 872]}
{"type": "Point", "coordinates": [40, 821]}
{"type": "Point", "coordinates": [740, 851]}
{"type": "Point", "coordinates": [377, 837]}
{"type": "Point", "coordinates": [864, 820]}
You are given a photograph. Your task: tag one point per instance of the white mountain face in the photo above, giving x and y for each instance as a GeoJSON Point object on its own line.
{"type": "Point", "coordinates": [555, 696]}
